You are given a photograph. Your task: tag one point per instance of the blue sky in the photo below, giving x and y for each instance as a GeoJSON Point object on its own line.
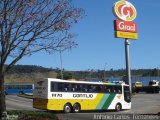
{"type": "Point", "coordinates": [97, 47]}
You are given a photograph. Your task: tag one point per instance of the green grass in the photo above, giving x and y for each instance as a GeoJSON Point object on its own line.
{"type": "Point", "coordinates": [30, 115]}
{"type": "Point", "coordinates": [26, 96]}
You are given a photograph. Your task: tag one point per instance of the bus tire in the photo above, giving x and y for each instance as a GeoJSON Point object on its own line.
{"type": "Point", "coordinates": [76, 108]}
{"type": "Point", "coordinates": [118, 107]}
{"type": "Point", "coordinates": [67, 108]}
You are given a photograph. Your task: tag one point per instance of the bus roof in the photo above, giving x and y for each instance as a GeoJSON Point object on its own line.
{"type": "Point", "coordinates": [85, 82]}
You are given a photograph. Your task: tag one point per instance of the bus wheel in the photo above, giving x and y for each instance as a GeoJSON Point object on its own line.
{"type": "Point", "coordinates": [76, 107]}
{"type": "Point", "coordinates": [67, 108]}
{"type": "Point", "coordinates": [118, 107]}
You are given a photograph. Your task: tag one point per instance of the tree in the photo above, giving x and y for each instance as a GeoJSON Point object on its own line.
{"type": "Point", "coordinates": [30, 26]}
{"type": "Point", "coordinates": [154, 72]}
{"type": "Point", "coordinates": [66, 75]}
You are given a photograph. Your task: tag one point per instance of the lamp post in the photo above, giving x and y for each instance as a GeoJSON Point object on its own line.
{"type": "Point", "coordinates": [61, 48]}
{"type": "Point", "coordinates": [61, 64]}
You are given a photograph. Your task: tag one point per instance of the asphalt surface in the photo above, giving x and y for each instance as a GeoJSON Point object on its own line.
{"type": "Point", "coordinates": [141, 104]}
{"type": "Point", "coordinates": [13, 102]}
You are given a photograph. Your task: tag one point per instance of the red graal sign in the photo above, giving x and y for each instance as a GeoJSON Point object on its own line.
{"type": "Point", "coordinates": [120, 25]}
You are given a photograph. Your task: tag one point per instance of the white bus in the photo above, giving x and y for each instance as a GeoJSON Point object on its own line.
{"type": "Point", "coordinates": [73, 96]}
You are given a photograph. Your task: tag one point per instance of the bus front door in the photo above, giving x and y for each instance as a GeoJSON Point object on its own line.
{"type": "Point", "coordinates": [127, 95]}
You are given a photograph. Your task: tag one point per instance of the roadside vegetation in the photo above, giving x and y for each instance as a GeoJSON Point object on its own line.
{"type": "Point", "coordinates": [29, 115]}
{"type": "Point", "coordinates": [25, 96]}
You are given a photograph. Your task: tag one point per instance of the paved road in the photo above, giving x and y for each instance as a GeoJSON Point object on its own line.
{"type": "Point", "coordinates": [14, 102]}
{"type": "Point", "coordinates": [145, 104]}
{"type": "Point", "coordinates": [141, 104]}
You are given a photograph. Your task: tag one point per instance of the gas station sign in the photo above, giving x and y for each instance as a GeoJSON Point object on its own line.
{"type": "Point", "coordinates": [125, 26]}
{"type": "Point", "coordinates": [124, 10]}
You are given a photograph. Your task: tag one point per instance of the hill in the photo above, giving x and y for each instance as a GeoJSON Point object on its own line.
{"type": "Point", "coordinates": [28, 69]}
{"type": "Point", "coordinates": [100, 74]}
{"type": "Point", "coordinates": [28, 73]}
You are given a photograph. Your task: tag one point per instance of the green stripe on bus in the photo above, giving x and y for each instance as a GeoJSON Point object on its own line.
{"type": "Point", "coordinates": [108, 101]}
{"type": "Point", "coordinates": [102, 101]}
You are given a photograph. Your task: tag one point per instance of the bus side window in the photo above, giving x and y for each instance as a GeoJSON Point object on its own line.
{"type": "Point", "coordinates": [65, 89]}
{"type": "Point", "coordinates": [117, 89]}
{"type": "Point", "coordinates": [73, 87]}
{"type": "Point", "coordinates": [108, 89]}
{"type": "Point", "coordinates": [114, 91]}
{"type": "Point", "coordinates": [96, 88]}
{"type": "Point", "coordinates": [84, 88]}
{"type": "Point", "coordinates": [76, 88]}
{"type": "Point", "coordinates": [92, 88]}
{"type": "Point", "coordinates": [60, 87]}
{"type": "Point", "coordinates": [52, 86]}
{"type": "Point", "coordinates": [81, 88]}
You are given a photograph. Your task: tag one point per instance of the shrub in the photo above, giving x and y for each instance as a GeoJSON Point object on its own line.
{"type": "Point", "coordinates": [32, 115]}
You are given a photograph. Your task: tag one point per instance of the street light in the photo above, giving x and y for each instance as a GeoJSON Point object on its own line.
{"type": "Point", "coordinates": [105, 70]}
{"type": "Point", "coordinates": [61, 48]}
{"type": "Point", "coordinates": [158, 71]}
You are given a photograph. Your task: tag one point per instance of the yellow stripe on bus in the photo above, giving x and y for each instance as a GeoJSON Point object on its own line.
{"type": "Point", "coordinates": [86, 104]}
